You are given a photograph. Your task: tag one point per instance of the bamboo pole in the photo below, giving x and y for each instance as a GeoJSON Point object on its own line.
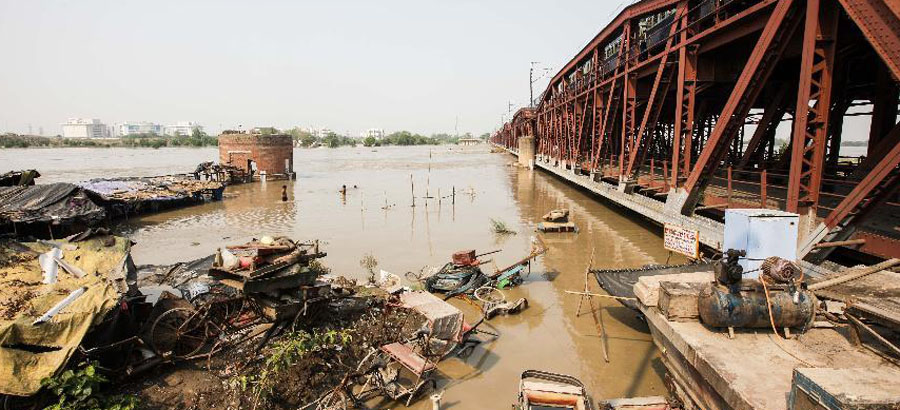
{"type": "Point", "coordinates": [855, 275]}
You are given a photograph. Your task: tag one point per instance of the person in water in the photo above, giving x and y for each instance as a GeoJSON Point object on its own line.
{"type": "Point", "coordinates": [284, 197]}
{"type": "Point", "coordinates": [343, 189]}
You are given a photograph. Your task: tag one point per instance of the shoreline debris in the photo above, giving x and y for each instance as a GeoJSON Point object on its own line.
{"type": "Point", "coordinates": [19, 178]}
{"type": "Point", "coordinates": [557, 220]}
{"type": "Point", "coordinates": [122, 197]}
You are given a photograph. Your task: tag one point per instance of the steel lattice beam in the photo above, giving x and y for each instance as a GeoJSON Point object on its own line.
{"type": "Point", "coordinates": [768, 50]}
{"type": "Point", "coordinates": [813, 107]}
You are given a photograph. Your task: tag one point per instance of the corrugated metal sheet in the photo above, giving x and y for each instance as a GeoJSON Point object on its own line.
{"type": "Point", "coordinates": [59, 202]}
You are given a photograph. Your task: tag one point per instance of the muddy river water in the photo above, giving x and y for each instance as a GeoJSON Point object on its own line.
{"type": "Point", "coordinates": [377, 217]}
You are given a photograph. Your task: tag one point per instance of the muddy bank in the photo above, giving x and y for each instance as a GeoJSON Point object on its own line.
{"type": "Point", "coordinates": [403, 238]}
{"type": "Point", "coordinates": [294, 377]}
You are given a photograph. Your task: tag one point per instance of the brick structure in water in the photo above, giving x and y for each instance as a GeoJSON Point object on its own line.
{"type": "Point", "coordinates": [272, 154]}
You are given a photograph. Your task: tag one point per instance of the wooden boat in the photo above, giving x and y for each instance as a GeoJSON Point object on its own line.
{"type": "Point", "coordinates": [620, 282]}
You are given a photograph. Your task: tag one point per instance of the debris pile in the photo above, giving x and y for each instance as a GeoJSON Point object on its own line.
{"type": "Point", "coordinates": [37, 209]}
{"type": "Point", "coordinates": [19, 178]}
{"type": "Point", "coordinates": [130, 196]}
{"type": "Point", "coordinates": [557, 220]}
{"type": "Point", "coordinates": [224, 173]}
{"type": "Point", "coordinates": [52, 293]}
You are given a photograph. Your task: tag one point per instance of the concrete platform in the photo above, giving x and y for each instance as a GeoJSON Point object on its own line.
{"type": "Point", "coordinates": [833, 389]}
{"type": "Point", "coordinates": [752, 371]}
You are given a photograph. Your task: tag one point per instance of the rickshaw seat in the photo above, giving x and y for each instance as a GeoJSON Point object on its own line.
{"type": "Point", "coordinates": [409, 358]}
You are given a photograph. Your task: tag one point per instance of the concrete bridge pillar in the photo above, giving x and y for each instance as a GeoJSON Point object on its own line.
{"type": "Point", "coordinates": [526, 152]}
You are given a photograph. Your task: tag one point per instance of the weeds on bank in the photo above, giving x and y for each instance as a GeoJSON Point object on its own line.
{"type": "Point", "coordinates": [285, 353]}
{"type": "Point", "coordinates": [499, 227]}
{"type": "Point", "coordinates": [79, 389]}
{"type": "Point", "coordinates": [369, 262]}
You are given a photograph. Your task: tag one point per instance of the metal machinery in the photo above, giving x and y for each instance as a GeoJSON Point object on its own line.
{"type": "Point", "coordinates": [710, 104]}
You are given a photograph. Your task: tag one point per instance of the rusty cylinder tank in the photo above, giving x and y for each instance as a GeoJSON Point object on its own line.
{"type": "Point", "coordinates": [747, 308]}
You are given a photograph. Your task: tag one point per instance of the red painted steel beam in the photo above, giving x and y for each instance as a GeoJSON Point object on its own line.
{"type": "Point", "coordinates": [685, 100]}
{"type": "Point", "coordinates": [880, 172]}
{"type": "Point", "coordinates": [879, 21]}
{"type": "Point", "coordinates": [627, 14]}
{"type": "Point", "coordinates": [652, 109]}
{"type": "Point", "coordinates": [765, 54]}
{"type": "Point", "coordinates": [813, 107]}
{"type": "Point", "coordinates": [740, 22]}
{"type": "Point", "coordinates": [879, 150]}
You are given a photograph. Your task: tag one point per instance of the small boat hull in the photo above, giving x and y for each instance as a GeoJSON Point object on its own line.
{"type": "Point", "coordinates": [620, 282]}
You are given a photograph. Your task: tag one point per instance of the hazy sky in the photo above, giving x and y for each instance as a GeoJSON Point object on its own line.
{"type": "Point", "coordinates": [346, 65]}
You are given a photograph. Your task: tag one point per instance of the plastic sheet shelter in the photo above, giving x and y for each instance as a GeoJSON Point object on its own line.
{"type": "Point", "coordinates": [29, 352]}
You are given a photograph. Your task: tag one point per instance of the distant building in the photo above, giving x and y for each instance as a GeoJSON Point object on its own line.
{"type": "Point", "coordinates": [376, 133]}
{"type": "Point", "coordinates": [144, 127]}
{"type": "Point", "coordinates": [84, 128]}
{"type": "Point", "coordinates": [183, 129]}
{"type": "Point", "coordinates": [469, 141]}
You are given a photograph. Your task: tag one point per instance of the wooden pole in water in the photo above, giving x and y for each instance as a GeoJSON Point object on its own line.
{"type": "Point", "coordinates": [586, 294]}
{"type": "Point", "coordinates": [412, 190]}
{"type": "Point", "coordinates": [599, 295]}
{"type": "Point", "coordinates": [454, 195]}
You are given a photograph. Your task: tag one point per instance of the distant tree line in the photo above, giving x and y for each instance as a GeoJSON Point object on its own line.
{"type": "Point", "coordinates": [199, 138]}
{"type": "Point", "coordinates": [196, 139]}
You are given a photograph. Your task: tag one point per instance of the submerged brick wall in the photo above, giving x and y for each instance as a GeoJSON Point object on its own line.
{"type": "Point", "coordinates": [273, 154]}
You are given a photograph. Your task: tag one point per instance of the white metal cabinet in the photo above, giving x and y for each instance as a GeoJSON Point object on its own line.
{"type": "Point", "coordinates": [762, 233]}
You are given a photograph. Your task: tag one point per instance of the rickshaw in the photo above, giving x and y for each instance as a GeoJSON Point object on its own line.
{"type": "Point", "coordinates": [540, 390]}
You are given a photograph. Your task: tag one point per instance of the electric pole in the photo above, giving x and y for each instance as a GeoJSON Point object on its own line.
{"type": "Point", "coordinates": [531, 84]}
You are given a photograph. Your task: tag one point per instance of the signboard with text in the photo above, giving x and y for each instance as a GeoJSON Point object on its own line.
{"type": "Point", "coordinates": [681, 240]}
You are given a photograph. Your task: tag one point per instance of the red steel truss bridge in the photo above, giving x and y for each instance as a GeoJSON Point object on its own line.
{"type": "Point", "coordinates": [679, 109]}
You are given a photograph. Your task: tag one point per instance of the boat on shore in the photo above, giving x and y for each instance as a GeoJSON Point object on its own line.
{"type": "Point", "coordinates": [620, 282]}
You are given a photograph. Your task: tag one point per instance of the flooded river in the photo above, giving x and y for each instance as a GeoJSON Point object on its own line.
{"type": "Point", "coordinates": [377, 217]}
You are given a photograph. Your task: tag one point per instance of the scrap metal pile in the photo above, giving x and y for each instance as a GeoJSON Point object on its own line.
{"type": "Point", "coordinates": [78, 299]}
{"type": "Point", "coordinates": [236, 295]}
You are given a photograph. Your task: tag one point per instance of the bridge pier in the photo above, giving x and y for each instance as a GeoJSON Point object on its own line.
{"type": "Point", "coordinates": [526, 152]}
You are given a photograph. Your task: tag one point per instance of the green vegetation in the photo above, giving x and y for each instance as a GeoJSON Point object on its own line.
{"type": "Point", "coordinates": [284, 354]}
{"type": "Point", "coordinates": [369, 262]}
{"type": "Point", "coordinates": [500, 228]}
{"type": "Point", "coordinates": [80, 389]}
{"type": "Point", "coordinates": [406, 138]}
{"type": "Point", "coordinates": [854, 143]}
{"type": "Point", "coordinates": [332, 140]}
{"type": "Point", "coordinates": [201, 139]}
{"type": "Point", "coordinates": [196, 139]}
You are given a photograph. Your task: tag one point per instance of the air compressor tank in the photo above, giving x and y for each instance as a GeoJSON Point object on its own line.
{"type": "Point", "coordinates": [747, 308]}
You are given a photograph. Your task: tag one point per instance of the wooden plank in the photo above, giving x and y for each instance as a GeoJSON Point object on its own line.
{"type": "Point", "coordinates": [678, 300]}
